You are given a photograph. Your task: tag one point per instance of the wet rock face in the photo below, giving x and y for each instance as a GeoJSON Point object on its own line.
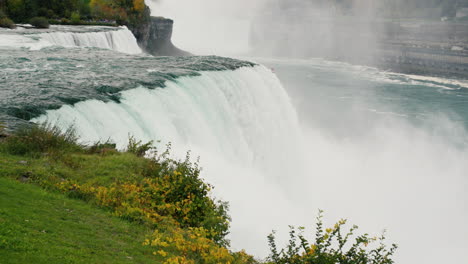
{"type": "Point", "coordinates": [155, 35]}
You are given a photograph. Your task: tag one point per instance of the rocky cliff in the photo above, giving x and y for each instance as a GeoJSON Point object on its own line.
{"type": "Point", "coordinates": [154, 36]}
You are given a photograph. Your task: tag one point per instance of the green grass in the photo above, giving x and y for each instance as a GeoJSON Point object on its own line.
{"type": "Point", "coordinates": [81, 167]}
{"type": "Point", "coordinates": [37, 226]}
{"type": "Point", "coordinates": [97, 205]}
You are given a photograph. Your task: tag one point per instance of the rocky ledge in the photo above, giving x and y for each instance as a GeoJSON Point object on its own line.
{"type": "Point", "coordinates": [155, 37]}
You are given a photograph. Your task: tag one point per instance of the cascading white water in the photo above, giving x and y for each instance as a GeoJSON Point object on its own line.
{"type": "Point", "coordinates": [236, 121]}
{"type": "Point", "coordinates": [223, 113]}
{"type": "Point", "coordinates": [121, 40]}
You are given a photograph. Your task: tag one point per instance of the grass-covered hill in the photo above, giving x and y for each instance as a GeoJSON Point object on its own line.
{"type": "Point", "coordinates": [61, 202]}
{"type": "Point", "coordinates": [98, 205]}
{"type": "Point", "coordinates": [37, 226]}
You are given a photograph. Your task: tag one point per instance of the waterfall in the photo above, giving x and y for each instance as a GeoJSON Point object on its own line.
{"type": "Point", "coordinates": [121, 40]}
{"type": "Point", "coordinates": [244, 116]}
{"type": "Point", "coordinates": [241, 123]}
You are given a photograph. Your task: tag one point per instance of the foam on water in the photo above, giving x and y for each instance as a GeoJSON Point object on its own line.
{"type": "Point", "coordinates": [121, 40]}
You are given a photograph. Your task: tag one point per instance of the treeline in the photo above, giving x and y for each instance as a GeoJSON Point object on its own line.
{"type": "Point", "coordinates": [121, 12]}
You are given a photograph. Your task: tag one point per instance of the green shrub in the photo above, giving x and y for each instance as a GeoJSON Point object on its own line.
{"type": "Point", "coordinates": [137, 147]}
{"type": "Point", "coordinates": [65, 21]}
{"type": "Point", "coordinates": [41, 139]}
{"type": "Point", "coordinates": [331, 247]}
{"type": "Point", "coordinates": [181, 184]}
{"type": "Point", "coordinates": [39, 22]}
{"type": "Point", "coordinates": [44, 12]}
{"type": "Point", "coordinates": [75, 18]}
{"type": "Point", "coordinates": [102, 148]}
{"type": "Point", "coordinates": [5, 22]}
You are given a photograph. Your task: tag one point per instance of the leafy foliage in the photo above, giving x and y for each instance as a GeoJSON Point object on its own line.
{"type": "Point", "coordinates": [166, 188]}
{"type": "Point", "coordinates": [331, 247]}
{"type": "Point", "coordinates": [5, 21]}
{"type": "Point", "coordinates": [137, 147]}
{"type": "Point", "coordinates": [39, 22]}
{"type": "Point", "coordinates": [76, 11]}
{"type": "Point", "coordinates": [75, 17]}
{"type": "Point", "coordinates": [102, 148]}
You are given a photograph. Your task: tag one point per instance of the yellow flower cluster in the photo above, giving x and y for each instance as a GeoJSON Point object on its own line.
{"type": "Point", "coordinates": [188, 246]}
{"type": "Point", "coordinates": [149, 201]}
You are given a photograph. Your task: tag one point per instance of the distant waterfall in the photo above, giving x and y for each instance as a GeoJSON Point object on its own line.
{"type": "Point", "coordinates": [121, 40]}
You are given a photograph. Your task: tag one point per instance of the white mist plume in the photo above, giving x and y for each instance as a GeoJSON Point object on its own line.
{"type": "Point", "coordinates": [208, 27]}
{"type": "Point", "coordinates": [326, 29]}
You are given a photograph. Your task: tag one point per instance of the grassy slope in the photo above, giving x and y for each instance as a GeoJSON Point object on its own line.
{"type": "Point", "coordinates": [93, 169]}
{"type": "Point", "coordinates": [42, 227]}
{"type": "Point", "coordinates": [131, 187]}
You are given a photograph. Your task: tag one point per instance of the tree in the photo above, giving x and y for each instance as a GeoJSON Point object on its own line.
{"type": "Point", "coordinates": [139, 5]}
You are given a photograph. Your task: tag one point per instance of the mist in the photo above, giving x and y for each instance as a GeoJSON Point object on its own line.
{"type": "Point", "coordinates": [209, 27]}
{"type": "Point", "coordinates": [325, 29]}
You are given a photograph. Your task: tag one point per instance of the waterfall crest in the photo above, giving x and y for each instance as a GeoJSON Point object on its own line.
{"type": "Point", "coordinates": [121, 40]}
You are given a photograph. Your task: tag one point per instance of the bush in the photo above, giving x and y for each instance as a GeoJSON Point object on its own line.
{"type": "Point", "coordinates": [105, 148]}
{"type": "Point", "coordinates": [39, 22]}
{"type": "Point", "coordinates": [137, 147]}
{"type": "Point", "coordinates": [65, 21]}
{"type": "Point", "coordinates": [5, 22]}
{"type": "Point", "coordinates": [331, 247]}
{"type": "Point", "coordinates": [75, 18]}
{"type": "Point", "coordinates": [43, 139]}
{"type": "Point", "coordinates": [44, 12]}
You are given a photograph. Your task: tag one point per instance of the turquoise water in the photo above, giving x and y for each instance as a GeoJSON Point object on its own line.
{"type": "Point", "coordinates": [335, 96]}
{"type": "Point", "coordinates": [35, 81]}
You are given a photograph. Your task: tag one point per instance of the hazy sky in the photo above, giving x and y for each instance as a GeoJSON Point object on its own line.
{"type": "Point", "coordinates": [209, 26]}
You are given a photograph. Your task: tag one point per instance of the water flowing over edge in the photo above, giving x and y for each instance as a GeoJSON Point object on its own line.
{"type": "Point", "coordinates": [237, 121]}
{"type": "Point", "coordinates": [120, 40]}
{"type": "Point", "coordinates": [222, 112]}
